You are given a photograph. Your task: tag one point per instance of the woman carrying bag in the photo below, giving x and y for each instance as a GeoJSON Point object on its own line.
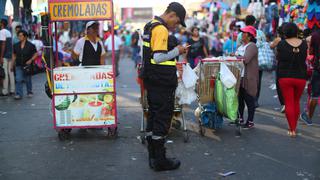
{"type": "Point", "coordinates": [24, 53]}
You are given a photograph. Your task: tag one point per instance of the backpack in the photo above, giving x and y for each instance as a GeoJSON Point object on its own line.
{"type": "Point", "coordinates": [210, 117]}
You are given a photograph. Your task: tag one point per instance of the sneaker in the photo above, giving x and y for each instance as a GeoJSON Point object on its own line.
{"type": "Point", "coordinates": [304, 117]}
{"type": "Point", "coordinates": [248, 125]}
{"type": "Point", "coordinates": [17, 97]}
{"type": "Point", "coordinates": [30, 95]}
{"type": "Point", "coordinates": [273, 86]}
{"type": "Point", "coordinates": [283, 109]}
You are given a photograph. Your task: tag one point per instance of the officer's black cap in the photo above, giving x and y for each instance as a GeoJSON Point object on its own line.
{"type": "Point", "coordinates": [179, 10]}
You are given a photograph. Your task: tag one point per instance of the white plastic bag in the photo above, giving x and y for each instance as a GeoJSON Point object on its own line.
{"type": "Point", "coordinates": [189, 77]}
{"type": "Point", "coordinates": [226, 76]}
{"type": "Point", "coordinates": [185, 95]}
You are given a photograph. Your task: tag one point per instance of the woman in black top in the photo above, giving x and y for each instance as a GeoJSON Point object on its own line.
{"type": "Point", "coordinates": [292, 73]}
{"type": "Point", "coordinates": [24, 53]}
{"type": "Point", "coordinates": [197, 47]}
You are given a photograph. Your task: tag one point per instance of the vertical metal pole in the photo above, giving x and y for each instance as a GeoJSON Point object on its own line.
{"type": "Point", "coordinates": [113, 65]}
{"type": "Point", "coordinates": [56, 40]}
{"type": "Point", "coordinates": [232, 42]}
{"type": "Point", "coordinates": [51, 57]}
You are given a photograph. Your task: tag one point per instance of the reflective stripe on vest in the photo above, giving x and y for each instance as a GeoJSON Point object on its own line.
{"type": "Point", "coordinates": [146, 44]}
{"type": "Point", "coordinates": [167, 63]}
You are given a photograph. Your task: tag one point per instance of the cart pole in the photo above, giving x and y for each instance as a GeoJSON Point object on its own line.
{"type": "Point", "coordinates": [56, 40]}
{"type": "Point", "coordinates": [113, 65]}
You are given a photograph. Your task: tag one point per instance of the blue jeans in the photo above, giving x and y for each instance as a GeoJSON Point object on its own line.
{"type": "Point", "coordinates": [20, 77]}
{"type": "Point", "coordinates": [136, 55]}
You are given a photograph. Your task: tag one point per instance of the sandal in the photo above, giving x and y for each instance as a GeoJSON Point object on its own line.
{"type": "Point", "coordinates": [292, 134]}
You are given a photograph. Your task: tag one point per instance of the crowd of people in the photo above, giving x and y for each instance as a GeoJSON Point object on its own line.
{"type": "Point", "coordinates": [292, 54]}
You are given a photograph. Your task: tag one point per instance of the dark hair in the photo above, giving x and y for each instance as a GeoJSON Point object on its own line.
{"type": "Point", "coordinates": [271, 1]}
{"type": "Point", "coordinates": [250, 20]}
{"type": "Point", "coordinates": [252, 38]}
{"type": "Point", "coordinates": [18, 26]}
{"type": "Point", "coordinates": [290, 30]}
{"type": "Point", "coordinates": [306, 33]}
{"type": "Point", "coordinates": [193, 28]}
{"type": "Point", "coordinates": [4, 22]}
{"type": "Point", "coordinates": [315, 43]}
{"type": "Point", "coordinates": [24, 33]}
{"type": "Point", "coordinates": [280, 30]}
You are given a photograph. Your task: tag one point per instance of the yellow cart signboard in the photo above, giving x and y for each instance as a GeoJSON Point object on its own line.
{"type": "Point", "coordinates": [71, 10]}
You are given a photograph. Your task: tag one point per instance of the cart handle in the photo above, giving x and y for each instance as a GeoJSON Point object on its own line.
{"type": "Point", "coordinates": [218, 60]}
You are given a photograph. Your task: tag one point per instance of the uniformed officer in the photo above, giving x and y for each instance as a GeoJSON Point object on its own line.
{"type": "Point", "coordinates": [160, 80]}
{"type": "Point", "coordinates": [89, 49]}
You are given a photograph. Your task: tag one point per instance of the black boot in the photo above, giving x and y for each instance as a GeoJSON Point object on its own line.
{"type": "Point", "coordinates": [162, 163]}
{"type": "Point", "coordinates": [150, 152]}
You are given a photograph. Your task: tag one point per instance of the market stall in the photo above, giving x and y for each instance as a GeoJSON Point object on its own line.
{"type": "Point", "coordinates": [83, 96]}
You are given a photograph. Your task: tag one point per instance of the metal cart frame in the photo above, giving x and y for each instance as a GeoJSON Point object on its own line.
{"type": "Point", "coordinates": [178, 110]}
{"type": "Point", "coordinates": [209, 67]}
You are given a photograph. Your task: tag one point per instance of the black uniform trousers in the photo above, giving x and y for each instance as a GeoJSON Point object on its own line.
{"type": "Point", "coordinates": [160, 111]}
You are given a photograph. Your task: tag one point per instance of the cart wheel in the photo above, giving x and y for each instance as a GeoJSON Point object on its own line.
{"type": "Point", "coordinates": [202, 130]}
{"type": "Point", "coordinates": [176, 124]}
{"type": "Point", "coordinates": [64, 134]}
{"type": "Point", "coordinates": [113, 132]}
{"type": "Point", "coordinates": [143, 139]}
{"type": "Point", "coordinates": [239, 129]}
{"type": "Point", "coordinates": [186, 136]}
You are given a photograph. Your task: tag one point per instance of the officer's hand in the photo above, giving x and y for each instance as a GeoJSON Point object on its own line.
{"type": "Point", "coordinates": [182, 49]}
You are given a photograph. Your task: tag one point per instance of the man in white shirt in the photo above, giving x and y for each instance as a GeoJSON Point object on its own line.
{"type": "Point", "coordinates": [118, 45]}
{"type": "Point", "coordinates": [89, 49]}
{"type": "Point", "coordinates": [6, 58]}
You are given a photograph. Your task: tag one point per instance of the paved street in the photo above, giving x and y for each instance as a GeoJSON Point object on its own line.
{"type": "Point", "coordinates": [31, 150]}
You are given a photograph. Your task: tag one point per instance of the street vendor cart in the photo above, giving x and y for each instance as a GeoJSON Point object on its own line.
{"type": "Point", "coordinates": [83, 96]}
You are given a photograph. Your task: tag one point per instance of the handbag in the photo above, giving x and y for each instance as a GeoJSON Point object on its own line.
{"type": "Point", "coordinates": [2, 73]}
{"type": "Point", "coordinates": [266, 58]}
{"type": "Point", "coordinates": [27, 69]}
